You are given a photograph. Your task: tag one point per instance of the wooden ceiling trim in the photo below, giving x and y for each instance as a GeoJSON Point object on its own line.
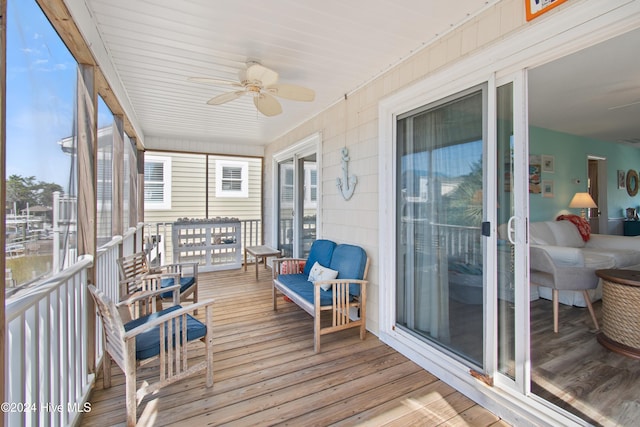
{"type": "Point", "coordinates": [61, 20]}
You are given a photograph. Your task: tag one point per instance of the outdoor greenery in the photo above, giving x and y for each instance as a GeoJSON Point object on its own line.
{"type": "Point", "coordinates": [464, 204]}
{"type": "Point", "coordinates": [23, 190]}
{"type": "Point", "coordinates": [26, 191]}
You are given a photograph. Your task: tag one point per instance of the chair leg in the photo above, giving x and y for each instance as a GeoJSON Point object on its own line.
{"type": "Point", "coordinates": [587, 299]}
{"type": "Point", "coordinates": [209, 345]}
{"type": "Point", "coordinates": [316, 333]}
{"type": "Point", "coordinates": [274, 294]}
{"type": "Point", "coordinates": [130, 386]}
{"type": "Point", "coordinates": [555, 310]}
{"type": "Point", "coordinates": [106, 371]}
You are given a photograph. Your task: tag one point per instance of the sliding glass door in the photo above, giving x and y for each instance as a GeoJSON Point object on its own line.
{"type": "Point", "coordinates": [440, 211]}
{"type": "Point", "coordinates": [298, 197]}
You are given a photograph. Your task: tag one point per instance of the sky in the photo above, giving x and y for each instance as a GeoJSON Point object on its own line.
{"type": "Point", "coordinates": [41, 76]}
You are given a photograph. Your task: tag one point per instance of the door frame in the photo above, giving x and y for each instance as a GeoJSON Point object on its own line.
{"type": "Point", "coordinates": [303, 148]}
{"type": "Point", "coordinates": [603, 209]}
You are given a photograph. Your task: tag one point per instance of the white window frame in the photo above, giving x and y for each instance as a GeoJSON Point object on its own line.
{"type": "Point", "coordinates": [308, 200]}
{"type": "Point", "coordinates": [166, 181]}
{"type": "Point", "coordinates": [244, 188]}
{"type": "Point", "coordinates": [307, 146]}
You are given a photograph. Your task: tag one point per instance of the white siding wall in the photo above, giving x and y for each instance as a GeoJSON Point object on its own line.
{"type": "Point", "coordinates": [188, 181]}
{"type": "Point", "coordinates": [243, 208]}
{"type": "Point", "coordinates": [354, 123]}
{"type": "Point", "coordinates": [188, 192]}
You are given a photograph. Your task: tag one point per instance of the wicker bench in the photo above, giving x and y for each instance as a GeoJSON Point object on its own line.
{"type": "Point", "coordinates": [333, 280]}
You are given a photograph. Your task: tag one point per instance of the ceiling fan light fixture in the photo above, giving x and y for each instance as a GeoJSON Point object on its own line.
{"type": "Point", "coordinates": [261, 83]}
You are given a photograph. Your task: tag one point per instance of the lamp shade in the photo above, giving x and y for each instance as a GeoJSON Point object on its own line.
{"type": "Point", "coordinates": [582, 200]}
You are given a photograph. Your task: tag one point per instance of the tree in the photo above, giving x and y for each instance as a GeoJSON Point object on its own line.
{"type": "Point", "coordinates": [23, 191]}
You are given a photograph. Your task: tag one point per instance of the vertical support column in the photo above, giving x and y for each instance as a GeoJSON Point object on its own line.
{"type": "Point", "coordinates": [135, 188]}
{"type": "Point", "coordinates": [140, 204]}
{"type": "Point", "coordinates": [3, 189]}
{"type": "Point", "coordinates": [117, 166]}
{"type": "Point", "coordinates": [87, 134]}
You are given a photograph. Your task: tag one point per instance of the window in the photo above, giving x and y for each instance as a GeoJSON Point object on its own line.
{"type": "Point", "coordinates": [157, 182]}
{"type": "Point", "coordinates": [232, 179]}
{"type": "Point", "coordinates": [310, 183]}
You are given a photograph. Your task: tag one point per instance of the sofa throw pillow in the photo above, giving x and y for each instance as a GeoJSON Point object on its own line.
{"type": "Point", "coordinates": [319, 273]}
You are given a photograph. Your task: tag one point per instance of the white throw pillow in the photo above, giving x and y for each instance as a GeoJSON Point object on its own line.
{"type": "Point", "coordinates": [319, 273]}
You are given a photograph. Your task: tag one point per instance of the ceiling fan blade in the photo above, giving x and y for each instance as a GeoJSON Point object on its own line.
{"type": "Point", "coordinates": [294, 92]}
{"type": "Point", "coordinates": [225, 97]}
{"type": "Point", "coordinates": [267, 105]}
{"type": "Point", "coordinates": [262, 74]}
{"type": "Point", "coordinates": [210, 80]}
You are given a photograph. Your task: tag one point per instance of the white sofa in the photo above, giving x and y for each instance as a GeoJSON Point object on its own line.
{"type": "Point", "coordinates": [559, 256]}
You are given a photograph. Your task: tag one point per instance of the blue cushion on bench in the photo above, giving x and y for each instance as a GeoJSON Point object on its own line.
{"type": "Point", "coordinates": [321, 252]}
{"type": "Point", "coordinates": [148, 342]}
{"type": "Point", "coordinates": [299, 284]}
{"type": "Point", "coordinates": [185, 283]}
{"type": "Point", "coordinates": [350, 262]}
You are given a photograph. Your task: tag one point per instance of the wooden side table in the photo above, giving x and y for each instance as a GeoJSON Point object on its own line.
{"type": "Point", "coordinates": [258, 252]}
{"type": "Point", "coordinates": [620, 311]}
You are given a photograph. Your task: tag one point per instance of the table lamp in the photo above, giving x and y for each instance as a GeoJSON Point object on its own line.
{"type": "Point", "coordinates": [582, 201]}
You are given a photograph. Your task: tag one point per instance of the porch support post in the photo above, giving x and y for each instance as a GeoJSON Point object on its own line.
{"type": "Point", "coordinates": [117, 167]}
{"type": "Point", "coordinates": [3, 189]}
{"type": "Point", "coordinates": [140, 204]}
{"type": "Point", "coordinates": [133, 185]}
{"type": "Point", "coordinates": [87, 134]}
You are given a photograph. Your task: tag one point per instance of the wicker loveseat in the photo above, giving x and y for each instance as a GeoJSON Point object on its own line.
{"type": "Point", "coordinates": [333, 279]}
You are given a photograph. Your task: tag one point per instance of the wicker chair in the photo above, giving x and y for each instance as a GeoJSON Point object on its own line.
{"type": "Point", "coordinates": [140, 339]}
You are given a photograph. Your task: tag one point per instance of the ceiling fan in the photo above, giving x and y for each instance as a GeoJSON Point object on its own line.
{"type": "Point", "coordinates": [262, 84]}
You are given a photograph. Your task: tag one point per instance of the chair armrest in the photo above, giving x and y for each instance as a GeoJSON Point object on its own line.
{"type": "Point", "coordinates": [177, 268]}
{"type": "Point", "coordinates": [190, 309]}
{"type": "Point", "coordinates": [146, 294]}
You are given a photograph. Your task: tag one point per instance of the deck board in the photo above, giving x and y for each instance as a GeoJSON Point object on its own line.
{"type": "Point", "coordinates": [266, 373]}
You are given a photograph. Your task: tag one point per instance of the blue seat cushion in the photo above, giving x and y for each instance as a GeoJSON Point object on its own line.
{"type": "Point", "coordinates": [350, 262]}
{"type": "Point", "coordinates": [185, 283]}
{"type": "Point", "coordinates": [148, 342]}
{"type": "Point", "coordinates": [299, 284]}
{"type": "Point", "coordinates": [321, 252]}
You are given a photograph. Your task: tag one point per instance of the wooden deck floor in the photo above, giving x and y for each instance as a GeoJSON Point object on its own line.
{"type": "Point", "coordinates": [266, 373]}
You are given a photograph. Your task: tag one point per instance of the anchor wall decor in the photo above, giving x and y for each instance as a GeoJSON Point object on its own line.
{"type": "Point", "coordinates": [346, 184]}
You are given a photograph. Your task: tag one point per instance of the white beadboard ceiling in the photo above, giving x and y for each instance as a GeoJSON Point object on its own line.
{"type": "Point", "coordinates": [150, 48]}
{"type": "Point", "coordinates": [331, 46]}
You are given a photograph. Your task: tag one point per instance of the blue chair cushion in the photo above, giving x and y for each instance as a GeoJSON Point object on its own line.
{"type": "Point", "coordinates": [148, 342]}
{"type": "Point", "coordinates": [350, 262]}
{"type": "Point", "coordinates": [321, 252]}
{"type": "Point", "coordinates": [299, 284]}
{"type": "Point", "coordinates": [185, 283]}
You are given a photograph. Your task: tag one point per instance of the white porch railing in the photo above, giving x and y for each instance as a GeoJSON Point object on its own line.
{"type": "Point", "coordinates": [461, 242]}
{"type": "Point", "coordinates": [48, 380]}
{"type": "Point", "coordinates": [157, 239]}
{"type": "Point", "coordinates": [49, 337]}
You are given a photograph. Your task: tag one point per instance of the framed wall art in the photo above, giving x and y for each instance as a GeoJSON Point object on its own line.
{"type": "Point", "coordinates": [548, 164]}
{"type": "Point", "coordinates": [547, 188]}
